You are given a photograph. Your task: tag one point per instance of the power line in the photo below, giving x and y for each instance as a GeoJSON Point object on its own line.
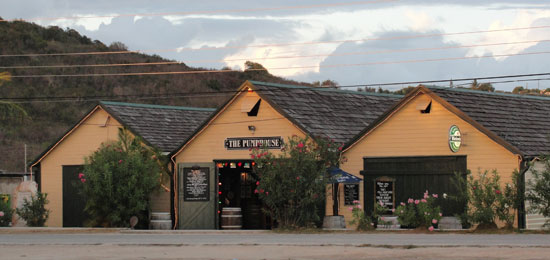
{"type": "Point", "coordinates": [244, 10]}
{"type": "Point", "coordinates": [268, 58]}
{"type": "Point", "coordinates": [279, 44]}
{"type": "Point", "coordinates": [279, 68]}
{"type": "Point", "coordinates": [56, 99]}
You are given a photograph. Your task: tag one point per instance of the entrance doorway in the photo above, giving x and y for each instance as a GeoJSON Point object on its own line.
{"type": "Point", "coordinates": [236, 189]}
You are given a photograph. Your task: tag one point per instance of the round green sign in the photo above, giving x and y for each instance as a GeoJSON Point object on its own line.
{"type": "Point", "coordinates": [455, 139]}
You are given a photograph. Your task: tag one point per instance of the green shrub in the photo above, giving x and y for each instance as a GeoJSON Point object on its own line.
{"type": "Point", "coordinates": [34, 212]}
{"type": "Point", "coordinates": [292, 184]}
{"type": "Point", "coordinates": [538, 193]}
{"type": "Point", "coordinates": [364, 221]}
{"type": "Point", "coordinates": [419, 212]}
{"type": "Point", "coordinates": [5, 210]}
{"type": "Point", "coordinates": [118, 180]}
{"type": "Point", "coordinates": [486, 201]}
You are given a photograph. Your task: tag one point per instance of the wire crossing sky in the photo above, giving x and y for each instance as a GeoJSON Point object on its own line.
{"type": "Point", "coordinates": [312, 40]}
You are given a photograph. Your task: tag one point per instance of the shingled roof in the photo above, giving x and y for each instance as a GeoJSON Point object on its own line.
{"type": "Point", "coordinates": [522, 121]}
{"type": "Point", "coordinates": [164, 127]}
{"type": "Point", "coordinates": [332, 113]}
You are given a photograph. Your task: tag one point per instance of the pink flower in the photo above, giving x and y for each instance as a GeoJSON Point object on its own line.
{"type": "Point", "coordinates": [257, 183]}
{"type": "Point", "coordinates": [297, 178]}
{"type": "Point", "coordinates": [416, 202]}
{"type": "Point", "coordinates": [435, 195]}
{"type": "Point", "coordinates": [256, 191]}
{"type": "Point", "coordinates": [434, 221]}
{"type": "Point", "coordinates": [497, 191]}
{"type": "Point", "coordinates": [382, 218]}
{"type": "Point", "coordinates": [474, 187]}
{"type": "Point", "coordinates": [426, 195]}
{"type": "Point", "coordinates": [381, 203]}
{"type": "Point", "coordinates": [350, 208]}
{"type": "Point", "coordinates": [1, 213]}
{"type": "Point", "coordinates": [402, 203]}
{"type": "Point", "coordinates": [119, 161]}
{"type": "Point", "coordinates": [359, 206]}
{"type": "Point", "coordinates": [252, 156]}
{"type": "Point", "coordinates": [355, 202]}
{"type": "Point", "coordinates": [423, 200]}
{"type": "Point", "coordinates": [431, 228]}
{"type": "Point", "coordinates": [410, 200]}
{"type": "Point", "coordinates": [340, 148]}
{"type": "Point", "coordinates": [300, 145]}
{"type": "Point", "coordinates": [392, 210]}
{"type": "Point", "coordinates": [372, 224]}
{"type": "Point", "coordinates": [261, 190]}
{"type": "Point", "coordinates": [267, 193]}
{"type": "Point", "coordinates": [81, 175]}
{"type": "Point", "coordinates": [83, 180]}
{"type": "Point", "coordinates": [441, 214]}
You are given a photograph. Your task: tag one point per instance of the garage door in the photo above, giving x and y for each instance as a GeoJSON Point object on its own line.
{"type": "Point", "coordinates": [410, 177]}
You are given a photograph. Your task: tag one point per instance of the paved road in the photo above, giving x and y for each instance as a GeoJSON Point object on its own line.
{"type": "Point", "coordinates": [124, 245]}
{"type": "Point", "coordinates": [269, 238]}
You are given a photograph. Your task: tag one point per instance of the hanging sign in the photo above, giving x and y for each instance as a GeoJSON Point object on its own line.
{"type": "Point", "coordinates": [195, 184]}
{"type": "Point", "coordinates": [455, 138]}
{"type": "Point", "coordinates": [242, 143]}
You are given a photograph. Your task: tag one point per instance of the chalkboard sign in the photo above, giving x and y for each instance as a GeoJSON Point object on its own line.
{"type": "Point", "coordinates": [351, 193]}
{"type": "Point", "coordinates": [384, 192]}
{"type": "Point", "coordinates": [196, 184]}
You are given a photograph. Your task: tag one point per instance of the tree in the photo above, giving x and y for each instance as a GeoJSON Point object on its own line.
{"type": "Point", "coordinates": [482, 86]}
{"type": "Point", "coordinates": [326, 84]}
{"type": "Point", "coordinates": [118, 180]}
{"type": "Point", "coordinates": [538, 190]}
{"type": "Point", "coordinates": [10, 110]}
{"type": "Point", "coordinates": [292, 184]}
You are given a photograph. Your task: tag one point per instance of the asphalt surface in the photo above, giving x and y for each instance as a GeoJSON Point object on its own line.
{"type": "Point", "coordinates": [271, 238]}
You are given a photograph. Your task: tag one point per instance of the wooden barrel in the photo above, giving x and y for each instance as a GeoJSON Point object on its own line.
{"type": "Point", "coordinates": [232, 218]}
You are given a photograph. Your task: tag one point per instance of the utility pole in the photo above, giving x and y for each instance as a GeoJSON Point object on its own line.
{"type": "Point", "coordinates": [25, 163]}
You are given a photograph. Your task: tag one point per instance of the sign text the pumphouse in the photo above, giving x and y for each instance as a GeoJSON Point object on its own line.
{"type": "Point", "coordinates": [238, 143]}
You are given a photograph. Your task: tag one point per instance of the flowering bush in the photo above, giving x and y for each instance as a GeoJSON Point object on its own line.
{"type": "Point", "coordinates": [419, 212]}
{"type": "Point", "coordinates": [360, 219]}
{"type": "Point", "coordinates": [5, 211]}
{"type": "Point", "coordinates": [487, 201]}
{"type": "Point", "coordinates": [34, 212]}
{"type": "Point", "coordinates": [118, 180]}
{"type": "Point", "coordinates": [292, 184]}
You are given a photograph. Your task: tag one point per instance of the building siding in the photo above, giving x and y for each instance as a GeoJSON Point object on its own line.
{"type": "Point", "coordinates": [410, 133]}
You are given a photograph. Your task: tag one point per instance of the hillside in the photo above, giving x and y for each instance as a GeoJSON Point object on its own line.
{"type": "Point", "coordinates": [50, 118]}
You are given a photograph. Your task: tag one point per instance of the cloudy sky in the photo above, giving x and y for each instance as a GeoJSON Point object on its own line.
{"type": "Point", "coordinates": [351, 42]}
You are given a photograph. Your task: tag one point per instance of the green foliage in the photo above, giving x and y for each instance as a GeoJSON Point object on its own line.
{"type": "Point", "coordinates": [118, 180]}
{"type": "Point", "coordinates": [34, 212]}
{"type": "Point", "coordinates": [292, 184]}
{"type": "Point", "coordinates": [419, 212]}
{"type": "Point", "coordinates": [538, 192]}
{"type": "Point", "coordinates": [487, 201]}
{"type": "Point", "coordinates": [54, 118]}
{"type": "Point", "coordinates": [5, 210]}
{"type": "Point", "coordinates": [363, 221]}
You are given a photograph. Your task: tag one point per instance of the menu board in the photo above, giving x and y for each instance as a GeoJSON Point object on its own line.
{"type": "Point", "coordinates": [351, 193]}
{"type": "Point", "coordinates": [195, 184]}
{"type": "Point", "coordinates": [384, 193]}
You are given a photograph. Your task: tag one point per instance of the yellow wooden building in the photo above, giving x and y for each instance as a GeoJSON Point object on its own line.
{"type": "Point", "coordinates": [264, 113]}
{"type": "Point", "coordinates": [435, 132]}
{"type": "Point", "coordinates": [58, 166]}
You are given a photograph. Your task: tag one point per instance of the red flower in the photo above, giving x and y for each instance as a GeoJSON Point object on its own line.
{"type": "Point", "coordinates": [257, 183]}
{"type": "Point", "coordinates": [261, 190]}
{"type": "Point", "coordinates": [83, 180]}
{"type": "Point", "coordinates": [497, 191]}
{"type": "Point", "coordinates": [340, 148]}
{"type": "Point", "coordinates": [119, 161]}
{"type": "Point", "coordinates": [474, 187]}
{"type": "Point", "coordinates": [252, 156]}
{"type": "Point", "coordinates": [300, 145]}
{"type": "Point", "coordinates": [298, 178]}
{"type": "Point", "coordinates": [81, 175]}
{"type": "Point", "coordinates": [256, 191]}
